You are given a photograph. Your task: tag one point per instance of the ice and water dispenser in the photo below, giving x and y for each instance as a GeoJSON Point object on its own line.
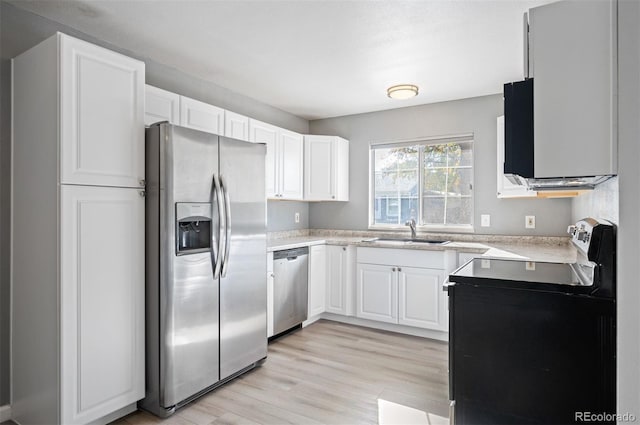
{"type": "Point", "coordinates": [193, 227]}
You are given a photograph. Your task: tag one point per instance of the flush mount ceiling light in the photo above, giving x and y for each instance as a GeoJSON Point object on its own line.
{"type": "Point", "coordinates": [402, 91]}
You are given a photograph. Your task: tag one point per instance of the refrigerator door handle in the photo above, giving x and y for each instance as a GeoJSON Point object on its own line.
{"type": "Point", "coordinates": [216, 256]}
{"type": "Point", "coordinates": [227, 228]}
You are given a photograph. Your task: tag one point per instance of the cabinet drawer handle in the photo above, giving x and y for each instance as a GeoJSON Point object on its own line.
{"type": "Point", "coordinates": [399, 269]}
{"type": "Point", "coordinates": [344, 248]}
{"type": "Point", "coordinates": [393, 269]}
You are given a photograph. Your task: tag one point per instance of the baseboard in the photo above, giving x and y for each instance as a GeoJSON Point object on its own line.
{"type": "Point", "coordinates": [5, 413]}
{"type": "Point", "coordinates": [407, 330]}
{"type": "Point", "coordinates": [311, 320]}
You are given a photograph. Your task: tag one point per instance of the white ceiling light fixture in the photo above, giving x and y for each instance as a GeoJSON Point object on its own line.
{"type": "Point", "coordinates": [402, 91]}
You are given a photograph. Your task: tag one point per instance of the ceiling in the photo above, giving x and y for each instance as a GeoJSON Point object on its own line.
{"type": "Point", "coordinates": [317, 59]}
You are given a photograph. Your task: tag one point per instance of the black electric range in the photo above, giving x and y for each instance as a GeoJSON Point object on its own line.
{"type": "Point", "coordinates": [534, 342]}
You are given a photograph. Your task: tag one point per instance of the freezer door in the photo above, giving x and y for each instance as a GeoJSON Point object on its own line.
{"type": "Point", "coordinates": [243, 283]}
{"type": "Point", "coordinates": [189, 335]}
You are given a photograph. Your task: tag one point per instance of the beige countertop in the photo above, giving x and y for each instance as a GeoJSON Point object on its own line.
{"type": "Point", "coordinates": [529, 248]}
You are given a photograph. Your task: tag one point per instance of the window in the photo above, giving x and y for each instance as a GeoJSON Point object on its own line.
{"type": "Point", "coordinates": [430, 181]}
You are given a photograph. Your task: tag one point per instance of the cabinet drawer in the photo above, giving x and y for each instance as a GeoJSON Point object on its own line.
{"type": "Point", "coordinates": [401, 257]}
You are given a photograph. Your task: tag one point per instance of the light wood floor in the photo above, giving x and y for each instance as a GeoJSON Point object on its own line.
{"type": "Point", "coordinates": [330, 373]}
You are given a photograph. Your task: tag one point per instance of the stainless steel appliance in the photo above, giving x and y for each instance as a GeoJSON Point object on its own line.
{"type": "Point", "coordinates": [290, 288]}
{"type": "Point", "coordinates": [520, 150]}
{"type": "Point", "coordinates": [206, 263]}
{"type": "Point", "coordinates": [534, 343]}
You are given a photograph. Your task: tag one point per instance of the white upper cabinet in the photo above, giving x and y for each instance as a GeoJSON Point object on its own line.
{"type": "Point", "coordinates": [506, 189]}
{"type": "Point", "coordinates": [319, 173]}
{"type": "Point", "coordinates": [285, 149]}
{"type": "Point", "coordinates": [102, 115]}
{"type": "Point", "coordinates": [326, 168]}
{"type": "Point", "coordinates": [201, 116]}
{"type": "Point", "coordinates": [284, 160]}
{"type": "Point", "coordinates": [291, 160]}
{"type": "Point", "coordinates": [573, 62]}
{"type": "Point", "coordinates": [260, 132]}
{"type": "Point", "coordinates": [236, 126]}
{"type": "Point", "coordinates": [161, 105]}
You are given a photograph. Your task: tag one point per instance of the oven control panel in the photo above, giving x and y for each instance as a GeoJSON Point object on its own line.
{"type": "Point", "coordinates": [594, 237]}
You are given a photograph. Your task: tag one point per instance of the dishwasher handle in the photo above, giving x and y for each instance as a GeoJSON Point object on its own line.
{"type": "Point", "coordinates": [291, 254]}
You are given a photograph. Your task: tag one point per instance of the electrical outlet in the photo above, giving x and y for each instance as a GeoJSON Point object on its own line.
{"type": "Point", "coordinates": [296, 217]}
{"type": "Point", "coordinates": [485, 220]}
{"type": "Point", "coordinates": [530, 222]}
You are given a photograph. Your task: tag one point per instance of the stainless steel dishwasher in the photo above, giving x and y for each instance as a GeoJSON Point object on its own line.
{"type": "Point", "coordinates": [290, 287]}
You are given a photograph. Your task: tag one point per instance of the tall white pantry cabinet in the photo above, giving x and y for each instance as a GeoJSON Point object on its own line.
{"type": "Point", "coordinates": [77, 275]}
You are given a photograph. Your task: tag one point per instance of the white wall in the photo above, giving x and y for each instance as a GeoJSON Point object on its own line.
{"type": "Point", "coordinates": [478, 116]}
{"type": "Point", "coordinates": [618, 200]}
{"type": "Point", "coordinates": [5, 164]}
{"type": "Point", "coordinates": [628, 298]}
{"type": "Point", "coordinates": [602, 202]}
{"type": "Point", "coordinates": [281, 215]}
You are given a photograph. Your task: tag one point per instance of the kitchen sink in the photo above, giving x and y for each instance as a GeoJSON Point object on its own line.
{"type": "Point", "coordinates": [406, 241]}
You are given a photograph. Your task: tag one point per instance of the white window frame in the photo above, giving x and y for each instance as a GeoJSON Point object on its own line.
{"type": "Point", "coordinates": [439, 140]}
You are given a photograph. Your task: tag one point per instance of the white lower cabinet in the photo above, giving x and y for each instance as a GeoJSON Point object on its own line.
{"type": "Point", "coordinates": [398, 294]}
{"type": "Point", "coordinates": [317, 280]}
{"type": "Point", "coordinates": [419, 300]}
{"type": "Point", "coordinates": [400, 291]}
{"type": "Point", "coordinates": [270, 278]}
{"type": "Point", "coordinates": [101, 301]}
{"type": "Point", "coordinates": [377, 293]}
{"type": "Point", "coordinates": [337, 296]}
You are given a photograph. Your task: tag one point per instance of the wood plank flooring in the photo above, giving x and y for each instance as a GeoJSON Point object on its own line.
{"type": "Point", "coordinates": [330, 373]}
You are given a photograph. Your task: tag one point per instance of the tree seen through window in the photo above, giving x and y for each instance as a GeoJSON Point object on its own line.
{"type": "Point", "coordinates": [431, 183]}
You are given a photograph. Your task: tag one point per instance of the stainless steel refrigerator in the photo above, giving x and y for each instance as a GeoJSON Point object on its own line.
{"type": "Point", "coordinates": [206, 297]}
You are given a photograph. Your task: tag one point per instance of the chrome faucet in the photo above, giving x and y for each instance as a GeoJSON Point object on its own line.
{"type": "Point", "coordinates": [412, 225]}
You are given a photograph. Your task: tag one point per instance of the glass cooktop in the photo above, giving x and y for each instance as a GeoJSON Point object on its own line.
{"type": "Point", "coordinates": [479, 269]}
